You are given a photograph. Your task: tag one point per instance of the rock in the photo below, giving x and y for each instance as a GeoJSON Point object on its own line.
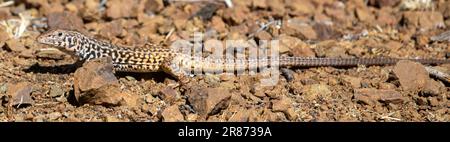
{"type": "Point", "coordinates": [298, 28]}
{"type": "Point", "coordinates": [364, 15]}
{"type": "Point", "coordinates": [218, 24]}
{"type": "Point", "coordinates": [56, 91]}
{"type": "Point", "coordinates": [3, 88]}
{"type": "Point", "coordinates": [209, 101]}
{"type": "Point", "coordinates": [284, 105]}
{"type": "Point", "coordinates": [111, 119]}
{"type": "Point", "coordinates": [65, 20]}
{"type": "Point", "coordinates": [263, 35]}
{"type": "Point", "coordinates": [28, 53]}
{"type": "Point", "coordinates": [235, 15]}
{"type": "Point", "coordinates": [300, 7]}
{"type": "Point", "coordinates": [95, 83]}
{"type": "Point", "coordinates": [444, 36]}
{"type": "Point", "coordinates": [241, 116]}
{"type": "Point", "coordinates": [206, 12]}
{"type": "Point", "coordinates": [433, 101]}
{"type": "Point", "coordinates": [325, 31]}
{"type": "Point", "coordinates": [354, 82]}
{"type": "Point", "coordinates": [121, 8]}
{"type": "Point", "coordinates": [15, 45]}
{"type": "Point", "coordinates": [370, 95]}
{"type": "Point", "coordinates": [112, 29]}
{"type": "Point", "coordinates": [384, 3]}
{"type": "Point", "coordinates": [432, 88]}
{"type": "Point", "coordinates": [412, 76]}
{"type": "Point", "coordinates": [259, 4]}
{"type": "Point", "coordinates": [386, 17]}
{"type": "Point", "coordinates": [51, 54]}
{"type": "Point", "coordinates": [278, 8]}
{"type": "Point", "coordinates": [297, 46]}
{"type": "Point", "coordinates": [311, 92]}
{"type": "Point", "coordinates": [54, 116]}
{"type": "Point", "coordinates": [154, 6]}
{"type": "Point", "coordinates": [169, 95]}
{"type": "Point", "coordinates": [172, 114]}
{"type": "Point", "coordinates": [423, 19]}
{"type": "Point", "coordinates": [20, 93]}
{"type": "Point", "coordinates": [422, 101]}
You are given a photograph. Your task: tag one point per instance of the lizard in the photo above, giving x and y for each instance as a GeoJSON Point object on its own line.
{"type": "Point", "coordinates": [153, 58]}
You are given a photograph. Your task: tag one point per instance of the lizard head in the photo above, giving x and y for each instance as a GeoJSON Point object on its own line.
{"type": "Point", "coordinates": [64, 39]}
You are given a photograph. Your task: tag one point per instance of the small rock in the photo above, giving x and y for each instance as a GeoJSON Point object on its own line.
{"type": "Point", "coordinates": [169, 95]}
{"type": "Point", "coordinates": [54, 115]}
{"type": "Point", "coordinates": [20, 93]}
{"type": "Point", "coordinates": [209, 101]}
{"type": "Point", "coordinates": [297, 46]}
{"type": "Point", "coordinates": [311, 92]}
{"type": "Point", "coordinates": [284, 105]}
{"type": "Point", "coordinates": [15, 45]}
{"type": "Point", "coordinates": [354, 82]}
{"type": "Point", "coordinates": [95, 83]}
{"type": "Point", "coordinates": [154, 6]}
{"type": "Point", "coordinates": [111, 119]}
{"type": "Point", "coordinates": [422, 101]}
{"type": "Point", "coordinates": [301, 7]}
{"type": "Point", "coordinates": [423, 19]}
{"type": "Point", "coordinates": [325, 31]}
{"type": "Point", "coordinates": [56, 91]}
{"type": "Point", "coordinates": [386, 17]}
{"type": "Point", "coordinates": [65, 20]}
{"type": "Point", "coordinates": [3, 88]}
{"type": "Point", "coordinates": [364, 15]}
{"type": "Point", "coordinates": [218, 24]}
{"type": "Point", "coordinates": [384, 3]}
{"type": "Point", "coordinates": [298, 28]}
{"type": "Point", "coordinates": [433, 101]}
{"type": "Point", "coordinates": [432, 88]}
{"type": "Point", "coordinates": [121, 8]}
{"type": "Point", "coordinates": [278, 7]}
{"type": "Point", "coordinates": [207, 11]}
{"type": "Point", "coordinates": [370, 95]}
{"type": "Point", "coordinates": [240, 116]}
{"type": "Point", "coordinates": [235, 15]}
{"type": "Point", "coordinates": [412, 76]}
{"type": "Point", "coordinates": [263, 35]}
{"type": "Point", "coordinates": [172, 114]}
{"type": "Point", "coordinates": [259, 4]}
{"type": "Point", "coordinates": [51, 54]}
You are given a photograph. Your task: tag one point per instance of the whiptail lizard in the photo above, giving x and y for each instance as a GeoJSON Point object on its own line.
{"type": "Point", "coordinates": [153, 58]}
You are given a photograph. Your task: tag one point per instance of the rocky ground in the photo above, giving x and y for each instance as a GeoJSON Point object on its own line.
{"type": "Point", "coordinates": [39, 83]}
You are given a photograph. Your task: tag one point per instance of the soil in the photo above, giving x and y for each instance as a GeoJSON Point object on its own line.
{"type": "Point", "coordinates": [39, 83]}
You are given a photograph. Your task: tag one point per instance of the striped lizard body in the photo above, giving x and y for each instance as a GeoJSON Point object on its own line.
{"type": "Point", "coordinates": [153, 58]}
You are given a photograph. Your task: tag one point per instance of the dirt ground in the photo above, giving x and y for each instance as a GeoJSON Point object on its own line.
{"type": "Point", "coordinates": [37, 81]}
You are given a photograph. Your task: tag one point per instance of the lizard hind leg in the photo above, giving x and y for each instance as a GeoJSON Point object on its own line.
{"type": "Point", "coordinates": [175, 71]}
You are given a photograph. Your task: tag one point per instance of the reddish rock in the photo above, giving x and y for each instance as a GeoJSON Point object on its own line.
{"type": "Point", "coordinates": [412, 76]}
{"type": "Point", "coordinates": [172, 114]}
{"type": "Point", "coordinates": [95, 83]}
{"type": "Point", "coordinates": [297, 28]}
{"type": "Point", "coordinates": [122, 8]}
{"type": "Point", "coordinates": [370, 96]}
{"type": "Point", "coordinates": [209, 101]}
{"type": "Point", "coordinates": [423, 19]}
{"type": "Point", "coordinates": [20, 93]}
{"type": "Point", "coordinates": [65, 20]}
{"type": "Point", "coordinates": [15, 45]}
{"type": "Point", "coordinates": [169, 95]}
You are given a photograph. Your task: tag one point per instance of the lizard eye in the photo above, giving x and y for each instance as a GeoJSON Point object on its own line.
{"type": "Point", "coordinates": [60, 34]}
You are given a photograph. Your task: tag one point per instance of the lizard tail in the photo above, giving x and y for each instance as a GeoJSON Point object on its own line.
{"type": "Point", "coordinates": [346, 62]}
